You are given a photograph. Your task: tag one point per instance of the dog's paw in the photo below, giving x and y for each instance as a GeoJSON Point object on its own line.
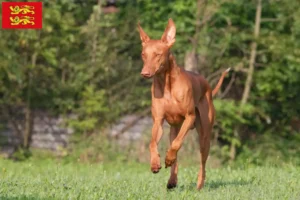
{"type": "Point", "coordinates": [155, 164]}
{"type": "Point", "coordinates": [170, 158]}
{"type": "Point", "coordinates": [200, 183]}
{"type": "Point", "coordinates": [171, 184]}
{"type": "Point", "coordinates": [155, 168]}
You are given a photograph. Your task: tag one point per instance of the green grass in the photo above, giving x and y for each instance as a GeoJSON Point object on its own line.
{"type": "Point", "coordinates": [50, 180]}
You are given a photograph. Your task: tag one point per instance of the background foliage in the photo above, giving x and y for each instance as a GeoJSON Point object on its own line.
{"type": "Point", "coordinates": [87, 62]}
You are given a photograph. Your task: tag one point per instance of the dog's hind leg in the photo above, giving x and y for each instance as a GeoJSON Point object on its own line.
{"type": "Point", "coordinates": [174, 168]}
{"type": "Point", "coordinates": [204, 124]}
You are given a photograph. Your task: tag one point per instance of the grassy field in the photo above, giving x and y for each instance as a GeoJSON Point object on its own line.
{"type": "Point", "coordinates": [50, 180]}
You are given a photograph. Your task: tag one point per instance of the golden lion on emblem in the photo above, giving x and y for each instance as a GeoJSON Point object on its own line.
{"type": "Point", "coordinates": [15, 10]}
{"type": "Point", "coordinates": [21, 20]}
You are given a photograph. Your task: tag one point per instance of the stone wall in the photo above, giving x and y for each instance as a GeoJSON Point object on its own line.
{"type": "Point", "coordinates": [48, 132]}
{"type": "Point", "coordinates": [141, 126]}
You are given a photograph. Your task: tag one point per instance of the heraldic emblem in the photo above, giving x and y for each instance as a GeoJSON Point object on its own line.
{"type": "Point", "coordinates": [22, 15]}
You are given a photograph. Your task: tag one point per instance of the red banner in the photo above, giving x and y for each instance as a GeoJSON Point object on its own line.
{"type": "Point", "coordinates": [22, 15]}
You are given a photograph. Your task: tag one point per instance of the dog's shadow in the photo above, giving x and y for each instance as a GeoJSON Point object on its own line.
{"type": "Point", "coordinates": [215, 184]}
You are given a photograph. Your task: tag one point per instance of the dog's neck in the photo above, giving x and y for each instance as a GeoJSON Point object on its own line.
{"type": "Point", "coordinates": [162, 82]}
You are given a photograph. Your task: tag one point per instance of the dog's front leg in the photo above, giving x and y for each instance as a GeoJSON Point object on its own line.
{"type": "Point", "coordinates": [157, 132]}
{"type": "Point", "coordinates": [177, 142]}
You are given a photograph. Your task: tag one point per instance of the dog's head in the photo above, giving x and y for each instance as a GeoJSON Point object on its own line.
{"type": "Point", "coordinates": [155, 53]}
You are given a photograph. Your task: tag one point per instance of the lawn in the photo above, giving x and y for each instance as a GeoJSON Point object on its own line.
{"type": "Point", "coordinates": [49, 180]}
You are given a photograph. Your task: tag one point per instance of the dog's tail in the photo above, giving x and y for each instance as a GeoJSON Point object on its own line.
{"type": "Point", "coordinates": [214, 92]}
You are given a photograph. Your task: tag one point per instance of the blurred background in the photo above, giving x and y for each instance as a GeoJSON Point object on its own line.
{"type": "Point", "coordinates": [72, 91]}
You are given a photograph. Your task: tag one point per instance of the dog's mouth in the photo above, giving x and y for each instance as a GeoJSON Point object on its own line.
{"type": "Point", "coordinates": [147, 76]}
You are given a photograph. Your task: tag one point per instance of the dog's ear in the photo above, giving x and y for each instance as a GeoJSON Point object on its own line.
{"type": "Point", "coordinates": [169, 35]}
{"type": "Point", "coordinates": [143, 35]}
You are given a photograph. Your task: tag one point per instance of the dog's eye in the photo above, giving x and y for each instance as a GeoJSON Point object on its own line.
{"type": "Point", "coordinates": [158, 54]}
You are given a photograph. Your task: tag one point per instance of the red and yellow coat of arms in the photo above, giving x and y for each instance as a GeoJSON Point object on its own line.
{"type": "Point", "coordinates": [22, 15]}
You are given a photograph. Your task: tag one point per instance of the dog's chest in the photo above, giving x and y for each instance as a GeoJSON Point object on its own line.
{"type": "Point", "coordinates": [174, 113]}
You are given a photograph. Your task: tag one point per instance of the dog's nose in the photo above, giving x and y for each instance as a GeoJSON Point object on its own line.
{"type": "Point", "coordinates": [145, 74]}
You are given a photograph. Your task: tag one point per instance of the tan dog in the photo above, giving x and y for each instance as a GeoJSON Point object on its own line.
{"type": "Point", "coordinates": [182, 98]}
